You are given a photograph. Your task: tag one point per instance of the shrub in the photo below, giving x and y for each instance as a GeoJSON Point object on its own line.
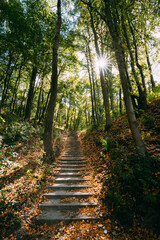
{"type": "Point", "coordinates": [108, 144]}
{"type": "Point", "coordinates": [148, 121]}
{"type": "Point", "coordinates": [19, 131]}
{"type": "Point", "coordinates": [132, 187]}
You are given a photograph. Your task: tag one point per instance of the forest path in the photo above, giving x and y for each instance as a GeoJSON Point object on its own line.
{"type": "Point", "coordinates": [70, 197]}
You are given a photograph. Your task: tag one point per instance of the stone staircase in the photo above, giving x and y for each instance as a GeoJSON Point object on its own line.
{"type": "Point", "coordinates": [69, 189]}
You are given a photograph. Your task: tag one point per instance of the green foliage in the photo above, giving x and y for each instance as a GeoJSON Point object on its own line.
{"type": "Point", "coordinates": [19, 131]}
{"type": "Point", "coordinates": [148, 121]}
{"type": "Point", "coordinates": [131, 187]}
{"type": "Point", "coordinates": [108, 144]}
{"type": "Point", "coordinates": [155, 94]}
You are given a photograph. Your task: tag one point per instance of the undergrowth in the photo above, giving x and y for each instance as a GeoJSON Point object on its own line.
{"type": "Point", "coordinates": [131, 181]}
{"type": "Point", "coordinates": [132, 187]}
{"type": "Point", "coordinates": [23, 171]}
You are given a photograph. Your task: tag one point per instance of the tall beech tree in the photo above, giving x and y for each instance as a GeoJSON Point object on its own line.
{"type": "Point", "coordinates": [48, 132]}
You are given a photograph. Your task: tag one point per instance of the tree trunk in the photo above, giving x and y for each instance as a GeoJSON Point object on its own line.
{"type": "Point", "coordinates": [7, 80]}
{"type": "Point", "coordinates": [44, 107]}
{"type": "Point", "coordinates": [93, 84]}
{"type": "Point", "coordinates": [31, 93]}
{"type": "Point", "coordinates": [132, 63]}
{"type": "Point", "coordinates": [68, 116]}
{"type": "Point", "coordinates": [120, 101]}
{"type": "Point", "coordinates": [111, 20]}
{"type": "Point", "coordinates": [110, 83]}
{"type": "Point", "coordinates": [14, 97]}
{"type": "Point", "coordinates": [103, 85]}
{"type": "Point", "coordinates": [91, 88]}
{"type": "Point", "coordinates": [48, 132]}
{"type": "Point", "coordinates": [39, 102]}
{"type": "Point", "coordinates": [150, 69]}
{"type": "Point", "coordinates": [143, 103]}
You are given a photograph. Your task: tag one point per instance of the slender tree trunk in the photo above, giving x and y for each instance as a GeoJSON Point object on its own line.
{"type": "Point", "coordinates": [48, 132]}
{"type": "Point", "coordinates": [67, 119]}
{"type": "Point", "coordinates": [132, 62]}
{"type": "Point", "coordinates": [44, 107]}
{"type": "Point", "coordinates": [14, 97]}
{"type": "Point", "coordinates": [91, 88]}
{"type": "Point", "coordinates": [150, 69]}
{"type": "Point", "coordinates": [110, 83]}
{"type": "Point", "coordinates": [143, 104]}
{"type": "Point", "coordinates": [93, 84]}
{"type": "Point", "coordinates": [120, 101]}
{"type": "Point", "coordinates": [39, 101]}
{"type": "Point", "coordinates": [31, 93]}
{"type": "Point", "coordinates": [111, 20]}
{"type": "Point", "coordinates": [9, 72]}
{"type": "Point", "coordinates": [103, 85]}
{"type": "Point", "coordinates": [21, 107]}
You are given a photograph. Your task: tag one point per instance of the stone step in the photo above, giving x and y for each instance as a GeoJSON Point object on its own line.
{"type": "Point", "coordinates": [65, 194]}
{"type": "Point", "coordinates": [57, 216]}
{"type": "Point", "coordinates": [69, 180]}
{"type": "Point", "coordinates": [63, 170]}
{"type": "Point", "coordinates": [72, 158]}
{"type": "Point", "coordinates": [65, 206]}
{"type": "Point", "coordinates": [71, 162]}
{"type": "Point", "coordinates": [69, 174]}
{"type": "Point", "coordinates": [73, 154]}
{"type": "Point", "coordinates": [71, 165]}
{"type": "Point", "coordinates": [68, 187]}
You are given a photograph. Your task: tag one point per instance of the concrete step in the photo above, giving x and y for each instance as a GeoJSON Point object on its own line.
{"type": "Point", "coordinates": [52, 216]}
{"type": "Point", "coordinates": [68, 174]}
{"type": "Point", "coordinates": [70, 166]}
{"type": "Point", "coordinates": [71, 162]}
{"type": "Point", "coordinates": [69, 180]}
{"type": "Point", "coordinates": [65, 206]}
{"type": "Point", "coordinates": [68, 187]}
{"type": "Point", "coordinates": [63, 170]}
{"type": "Point", "coordinates": [65, 194]}
{"type": "Point", "coordinates": [73, 158]}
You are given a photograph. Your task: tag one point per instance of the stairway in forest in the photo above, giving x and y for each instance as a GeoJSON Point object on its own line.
{"type": "Point", "coordinates": [68, 195]}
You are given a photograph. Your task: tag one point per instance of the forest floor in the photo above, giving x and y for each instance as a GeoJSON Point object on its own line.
{"type": "Point", "coordinates": [24, 176]}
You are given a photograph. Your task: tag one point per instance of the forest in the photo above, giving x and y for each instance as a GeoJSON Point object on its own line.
{"type": "Point", "coordinates": [80, 71]}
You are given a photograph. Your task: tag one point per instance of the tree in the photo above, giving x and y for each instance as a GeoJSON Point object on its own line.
{"type": "Point", "coordinates": [48, 132]}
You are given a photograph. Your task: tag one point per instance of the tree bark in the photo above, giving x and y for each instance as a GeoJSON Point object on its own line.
{"type": "Point", "coordinates": [120, 101]}
{"type": "Point", "coordinates": [14, 97]}
{"type": "Point", "coordinates": [39, 101]}
{"type": "Point", "coordinates": [93, 84]}
{"type": "Point", "coordinates": [150, 69]}
{"type": "Point", "coordinates": [111, 20]}
{"type": "Point", "coordinates": [31, 93]}
{"type": "Point", "coordinates": [143, 103]}
{"type": "Point", "coordinates": [91, 88]}
{"type": "Point", "coordinates": [48, 132]}
{"type": "Point", "coordinates": [132, 63]}
{"type": "Point", "coordinates": [9, 72]}
{"type": "Point", "coordinates": [103, 85]}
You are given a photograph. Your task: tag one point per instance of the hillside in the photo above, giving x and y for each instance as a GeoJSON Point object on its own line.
{"type": "Point", "coordinates": [130, 182]}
